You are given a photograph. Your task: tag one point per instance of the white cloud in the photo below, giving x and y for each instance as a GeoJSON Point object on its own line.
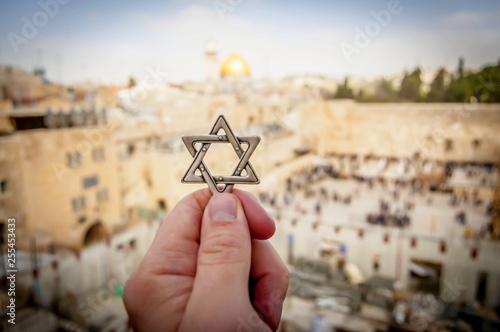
{"type": "Point", "coordinates": [277, 55]}
{"type": "Point", "coordinates": [426, 48]}
{"type": "Point", "coordinates": [177, 45]}
{"type": "Point", "coordinates": [269, 54]}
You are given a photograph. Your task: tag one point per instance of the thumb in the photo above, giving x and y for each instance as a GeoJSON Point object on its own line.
{"type": "Point", "coordinates": [220, 291]}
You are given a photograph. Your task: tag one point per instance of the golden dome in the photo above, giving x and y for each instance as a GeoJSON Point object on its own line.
{"type": "Point", "coordinates": [235, 65]}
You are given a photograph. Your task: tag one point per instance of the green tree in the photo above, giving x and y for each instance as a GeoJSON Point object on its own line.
{"type": "Point", "coordinates": [362, 96]}
{"type": "Point", "coordinates": [458, 91]}
{"type": "Point", "coordinates": [344, 90]}
{"type": "Point", "coordinates": [487, 84]}
{"type": "Point", "coordinates": [410, 86]}
{"type": "Point", "coordinates": [460, 69]}
{"type": "Point", "coordinates": [384, 91]}
{"type": "Point", "coordinates": [483, 85]}
{"type": "Point", "coordinates": [437, 92]}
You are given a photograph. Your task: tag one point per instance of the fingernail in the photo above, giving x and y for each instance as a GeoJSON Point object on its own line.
{"type": "Point", "coordinates": [222, 207]}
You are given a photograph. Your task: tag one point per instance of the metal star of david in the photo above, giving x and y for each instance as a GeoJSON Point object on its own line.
{"type": "Point", "coordinates": [206, 140]}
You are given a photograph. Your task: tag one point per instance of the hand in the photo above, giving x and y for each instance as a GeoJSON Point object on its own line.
{"type": "Point", "coordinates": [209, 269]}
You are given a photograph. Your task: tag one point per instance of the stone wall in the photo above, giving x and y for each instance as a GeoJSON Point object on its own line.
{"type": "Point", "coordinates": [446, 132]}
{"type": "Point", "coordinates": [44, 185]}
{"type": "Point", "coordinates": [496, 212]}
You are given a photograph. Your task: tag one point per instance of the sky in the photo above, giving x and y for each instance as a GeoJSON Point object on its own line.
{"type": "Point", "coordinates": [110, 40]}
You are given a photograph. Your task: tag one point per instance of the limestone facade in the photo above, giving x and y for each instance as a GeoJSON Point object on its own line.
{"type": "Point", "coordinates": [61, 184]}
{"type": "Point", "coordinates": [443, 132]}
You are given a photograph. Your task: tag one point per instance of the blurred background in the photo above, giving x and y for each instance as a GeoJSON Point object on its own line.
{"type": "Point", "coordinates": [378, 161]}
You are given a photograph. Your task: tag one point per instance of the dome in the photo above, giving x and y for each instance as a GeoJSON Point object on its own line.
{"type": "Point", "coordinates": [235, 65]}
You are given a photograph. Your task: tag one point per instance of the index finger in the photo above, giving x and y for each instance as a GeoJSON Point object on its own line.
{"type": "Point", "coordinates": [177, 240]}
{"type": "Point", "coordinates": [261, 225]}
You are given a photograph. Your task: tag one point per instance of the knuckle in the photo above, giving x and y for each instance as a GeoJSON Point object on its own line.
{"type": "Point", "coordinates": [286, 277]}
{"type": "Point", "coordinates": [130, 294]}
{"type": "Point", "coordinates": [223, 247]}
{"type": "Point", "coordinates": [137, 289]}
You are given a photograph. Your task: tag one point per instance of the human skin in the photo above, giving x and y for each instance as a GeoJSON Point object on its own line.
{"type": "Point", "coordinates": [210, 268]}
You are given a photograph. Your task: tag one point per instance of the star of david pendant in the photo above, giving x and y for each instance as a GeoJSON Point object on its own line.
{"type": "Point", "coordinates": [228, 181]}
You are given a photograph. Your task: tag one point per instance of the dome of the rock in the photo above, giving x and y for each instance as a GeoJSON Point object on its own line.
{"type": "Point", "coordinates": [235, 65]}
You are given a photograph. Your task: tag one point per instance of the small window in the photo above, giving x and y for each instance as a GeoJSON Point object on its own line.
{"type": "Point", "coordinates": [90, 181]}
{"type": "Point", "coordinates": [162, 205]}
{"type": "Point", "coordinates": [73, 158]}
{"type": "Point", "coordinates": [102, 195]}
{"type": "Point", "coordinates": [130, 149]}
{"type": "Point", "coordinates": [98, 154]}
{"type": "Point", "coordinates": [78, 204]}
{"type": "Point", "coordinates": [448, 145]}
{"type": "Point", "coordinates": [4, 186]}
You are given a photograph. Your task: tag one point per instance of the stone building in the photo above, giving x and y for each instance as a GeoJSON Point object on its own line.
{"type": "Point", "coordinates": [59, 177]}
{"type": "Point", "coordinates": [442, 131]}
{"type": "Point", "coordinates": [495, 234]}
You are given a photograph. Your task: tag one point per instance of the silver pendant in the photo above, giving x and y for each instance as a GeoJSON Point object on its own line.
{"type": "Point", "coordinates": [213, 138]}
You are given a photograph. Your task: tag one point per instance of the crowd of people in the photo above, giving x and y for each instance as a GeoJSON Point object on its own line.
{"type": "Point", "coordinates": [384, 217]}
{"type": "Point", "coordinates": [397, 198]}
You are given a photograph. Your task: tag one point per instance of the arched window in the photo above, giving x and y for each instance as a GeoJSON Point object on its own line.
{"type": "Point", "coordinates": [448, 145]}
{"type": "Point", "coordinates": [96, 233]}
